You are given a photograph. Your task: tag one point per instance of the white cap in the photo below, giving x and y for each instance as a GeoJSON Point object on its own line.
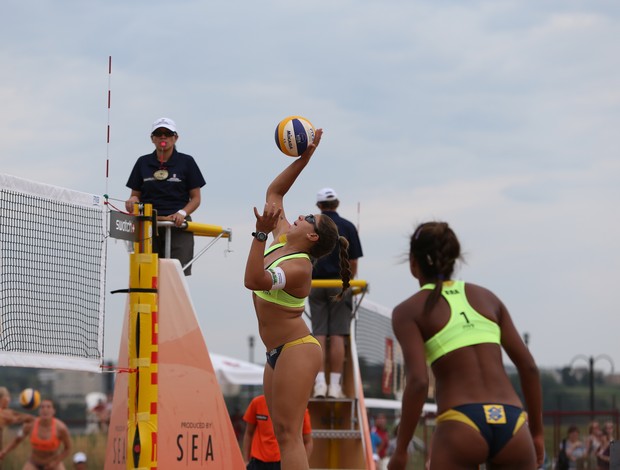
{"type": "Point", "coordinates": [79, 457]}
{"type": "Point", "coordinates": [164, 122]}
{"type": "Point", "coordinates": [326, 194]}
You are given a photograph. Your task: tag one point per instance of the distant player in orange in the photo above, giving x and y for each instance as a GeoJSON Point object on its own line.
{"type": "Point", "coordinates": [49, 440]}
{"type": "Point", "coordinates": [260, 447]}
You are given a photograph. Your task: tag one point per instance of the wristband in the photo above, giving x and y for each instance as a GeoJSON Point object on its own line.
{"type": "Point", "coordinates": [182, 212]}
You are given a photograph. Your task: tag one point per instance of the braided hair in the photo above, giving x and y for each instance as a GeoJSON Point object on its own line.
{"type": "Point", "coordinates": [436, 249]}
{"type": "Point", "coordinates": [329, 238]}
{"type": "Point", "coordinates": [345, 267]}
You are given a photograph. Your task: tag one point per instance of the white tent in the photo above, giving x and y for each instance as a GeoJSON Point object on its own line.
{"type": "Point", "coordinates": [231, 373]}
{"type": "Point", "coordinates": [381, 403]}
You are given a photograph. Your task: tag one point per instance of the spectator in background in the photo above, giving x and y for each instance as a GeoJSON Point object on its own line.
{"type": "Point", "coordinates": [331, 319]}
{"type": "Point", "coordinates": [260, 447]}
{"type": "Point", "coordinates": [610, 430]}
{"type": "Point", "coordinates": [171, 182]}
{"type": "Point", "coordinates": [603, 454]}
{"type": "Point", "coordinates": [380, 429]}
{"type": "Point", "coordinates": [375, 440]}
{"type": "Point", "coordinates": [575, 448]}
{"type": "Point", "coordinates": [101, 412]}
{"type": "Point", "coordinates": [593, 443]}
{"type": "Point", "coordinates": [50, 441]}
{"type": "Point", "coordinates": [79, 461]}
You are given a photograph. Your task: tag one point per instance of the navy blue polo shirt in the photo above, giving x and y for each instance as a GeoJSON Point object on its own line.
{"type": "Point", "coordinates": [172, 194]}
{"type": "Point", "coordinates": [328, 267]}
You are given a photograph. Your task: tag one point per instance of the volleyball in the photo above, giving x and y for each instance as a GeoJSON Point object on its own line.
{"type": "Point", "coordinates": [30, 398]}
{"type": "Point", "coordinates": [293, 135]}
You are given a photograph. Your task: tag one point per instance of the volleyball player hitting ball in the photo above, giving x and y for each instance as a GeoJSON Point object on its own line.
{"type": "Point", "coordinates": [281, 277]}
{"type": "Point", "coordinates": [461, 329]}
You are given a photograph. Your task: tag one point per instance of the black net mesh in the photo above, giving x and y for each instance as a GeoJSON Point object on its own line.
{"type": "Point", "coordinates": [380, 357]}
{"type": "Point", "coordinates": [51, 267]}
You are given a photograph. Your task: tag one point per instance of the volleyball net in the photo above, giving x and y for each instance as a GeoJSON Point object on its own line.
{"type": "Point", "coordinates": [379, 354]}
{"type": "Point", "coordinates": [52, 276]}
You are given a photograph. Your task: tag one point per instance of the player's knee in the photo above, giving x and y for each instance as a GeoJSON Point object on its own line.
{"type": "Point", "coordinates": [285, 433]}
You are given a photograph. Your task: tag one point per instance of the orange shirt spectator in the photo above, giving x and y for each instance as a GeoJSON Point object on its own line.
{"type": "Point", "coordinates": [260, 447]}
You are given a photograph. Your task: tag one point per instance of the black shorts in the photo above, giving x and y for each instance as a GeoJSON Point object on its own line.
{"type": "Point", "coordinates": [330, 318]}
{"type": "Point", "coordinates": [256, 464]}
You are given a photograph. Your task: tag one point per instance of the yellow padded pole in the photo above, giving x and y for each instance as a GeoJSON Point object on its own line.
{"type": "Point", "coordinates": [142, 343]}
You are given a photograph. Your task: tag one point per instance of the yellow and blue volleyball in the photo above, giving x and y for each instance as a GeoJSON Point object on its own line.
{"type": "Point", "coordinates": [30, 398]}
{"type": "Point", "coordinates": [293, 135]}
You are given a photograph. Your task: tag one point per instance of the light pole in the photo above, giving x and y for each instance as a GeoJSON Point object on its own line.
{"type": "Point", "coordinates": [591, 360]}
{"type": "Point", "coordinates": [251, 358]}
{"type": "Point", "coordinates": [251, 348]}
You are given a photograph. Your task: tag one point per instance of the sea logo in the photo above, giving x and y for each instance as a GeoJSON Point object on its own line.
{"type": "Point", "coordinates": [195, 445]}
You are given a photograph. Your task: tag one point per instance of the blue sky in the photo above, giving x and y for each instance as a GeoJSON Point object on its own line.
{"type": "Point", "coordinates": [500, 117]}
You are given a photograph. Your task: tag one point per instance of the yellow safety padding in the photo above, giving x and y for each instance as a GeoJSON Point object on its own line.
{"type": "Point", "coordinates": [207, 230]}
{"type": "Point", "coordinates": [142, 386]}
{"type": "Point", "coordinates": [338, 283]}
{"type": "Point", "coordinates": [143, 308]}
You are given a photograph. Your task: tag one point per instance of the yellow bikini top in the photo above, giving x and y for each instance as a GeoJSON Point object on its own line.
{"type": "Point", "coordinates": [466, 327]}
{"type": "Point", "coordinates": [280, 296]}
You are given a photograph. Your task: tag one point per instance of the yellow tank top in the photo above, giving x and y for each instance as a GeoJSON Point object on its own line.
{"type": "Point", "coordinates": [280, 296]}
{"type": "Point", "coordinates": [465, 327]}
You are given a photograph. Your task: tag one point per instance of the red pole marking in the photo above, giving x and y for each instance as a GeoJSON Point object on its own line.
{"type": "Point", "coordinates": [154, 448]}
{"type": "Point", "coordinates": [107, 168]}
{"type": "Point", "coordinates": [154, 330]}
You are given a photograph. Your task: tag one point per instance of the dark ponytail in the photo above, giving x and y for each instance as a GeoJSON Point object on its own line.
{"type": "Point", "coordinates": [436, 249]}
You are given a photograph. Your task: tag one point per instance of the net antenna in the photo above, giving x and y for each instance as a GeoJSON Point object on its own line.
{"type": "Point", "coordinates": [107, 151]}
{"type": "Point", "coordinates": [52, 276]}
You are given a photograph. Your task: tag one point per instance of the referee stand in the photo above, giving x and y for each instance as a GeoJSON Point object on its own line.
{"type": "Point", "coordinates": [168, 410]}
{"type": "Point", "coordinates": [340, 428]}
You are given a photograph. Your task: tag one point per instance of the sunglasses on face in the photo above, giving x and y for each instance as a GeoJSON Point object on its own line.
{"type": "Point", "coordinates": [163, 134]}
{"type": "Point", "coordinates": [311, 220]}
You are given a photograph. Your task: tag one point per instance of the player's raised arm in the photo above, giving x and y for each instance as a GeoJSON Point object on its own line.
{"type": "Point", "coordinates": [283, 182]}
